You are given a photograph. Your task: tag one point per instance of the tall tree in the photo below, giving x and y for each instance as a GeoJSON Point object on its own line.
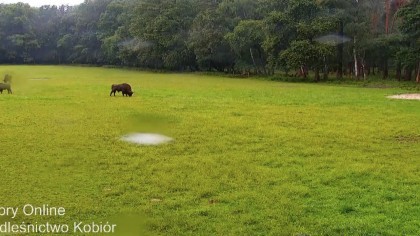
{"type": "Point", "coordinates": [88, 47]}
{"type": "Point", "coordinates": [409, 54]}
{"type": "Point", "coordinates": [165, 35]}
{"type": "Point", "coordinates": [207, 41]}
{"type": "Point", "coordinates": [280, 31]}
{"type": "Point", "coordinates": [247, 40]}
{"type": "Point", "coordinates": [339, 10]}
{"type": "Point", "coordinates": [18, 39]}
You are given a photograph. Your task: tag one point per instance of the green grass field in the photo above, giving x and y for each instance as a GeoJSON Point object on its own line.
{"type": "Point", "coordinates": [249, 157]}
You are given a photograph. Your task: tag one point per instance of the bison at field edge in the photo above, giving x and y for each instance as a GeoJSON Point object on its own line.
{"type": "Point", "coordinates": [7, 78]}
{"type": "Point", "coordinates": [124, 88]}
{"type": "Point", "coordinates": [5, 87]}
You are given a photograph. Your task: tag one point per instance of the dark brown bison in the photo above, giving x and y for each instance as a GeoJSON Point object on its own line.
{"type": "Point", "coordinates": [124, 88]}
{"type": "Point", "coordinates": [5, 87]}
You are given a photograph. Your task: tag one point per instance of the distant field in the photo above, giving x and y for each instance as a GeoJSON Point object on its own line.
{"type": "Point", "coordinates": [248, 157]}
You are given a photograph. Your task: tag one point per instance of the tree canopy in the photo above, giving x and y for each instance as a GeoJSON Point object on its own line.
{"type": "Point", "coordinates": [356, 38]}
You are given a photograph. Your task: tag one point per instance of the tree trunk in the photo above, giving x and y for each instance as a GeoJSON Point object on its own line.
{"type": "Point", "coordinates": [262, 62]}
{"type": "Point", "coordinates": [356, 66]}
{"type": "Point", "coordinates": [325, 75]}
{"type": "Point", "coordinates": [364, 69]}
{"type": "Point", "coordinates": [407, 74]}
{"type": "Point", "coordinates": [398, 71]}
{"type": "Point", "coordinates": [363, 66]}
{"type": "Point", "coordinates": [385, 71]}
{"type": "Point", "coordinates": [418, 73]}
{"type": "Point", "coordinates": [317, 78]}
{"type": "Point", "coordinates": [253, 60]}
{"type": "Point", "coordinates": [340, 49]}
{"type": "Point", "coordinates": [387, 15]}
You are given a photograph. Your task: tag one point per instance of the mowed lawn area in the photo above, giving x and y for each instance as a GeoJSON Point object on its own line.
{"type": "Point", "coordinates": [249, 157]}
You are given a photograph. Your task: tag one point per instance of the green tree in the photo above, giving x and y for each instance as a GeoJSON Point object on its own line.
{"type": "Point", "coordinates": [208, 43]}
{"type": "Point", "coordinates": [88, 46]}
{"type": "Point", "coordinates": [279, 32]}
{"type": "Point", "coordinates": [309, 24]}
{"type": "Point", "coordinates": [17, 35]}
{"type": "Point", "coordinates": [409, 53]}
{"type": "Point", "coordinates": [161, 30]}
{"type": "Point", "coordinates": [114, 31]}
{"type": "Point", "coordinates": [247, 40]}
{"type": "Point", "coordinates": [47, 29]}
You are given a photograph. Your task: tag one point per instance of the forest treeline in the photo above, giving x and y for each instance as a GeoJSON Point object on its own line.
{"type": "Point", "coordinates": [346, 37]}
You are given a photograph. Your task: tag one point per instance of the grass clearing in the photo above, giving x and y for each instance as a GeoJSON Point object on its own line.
{"type": "Point", "coordinates": [248, 157]}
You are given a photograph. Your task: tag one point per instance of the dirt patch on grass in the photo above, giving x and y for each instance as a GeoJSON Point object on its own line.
{"type": "Point", "coordinates": [378, 86]}
{"type": "Point", "coordinates": [39, 79]}
{"type": "Point", "coordinates": [410, 96]}
{"type": "Point", "coordinates": [408, 138]}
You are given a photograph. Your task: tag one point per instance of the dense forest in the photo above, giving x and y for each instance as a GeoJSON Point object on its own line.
{"type": "Point", "coordinates": [336, 38]}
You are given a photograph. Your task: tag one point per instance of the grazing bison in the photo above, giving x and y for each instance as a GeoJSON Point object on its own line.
{"type": "Point", "coordinates": [124, 88]}
{"type": "Point", "coordinates": [4, 87]}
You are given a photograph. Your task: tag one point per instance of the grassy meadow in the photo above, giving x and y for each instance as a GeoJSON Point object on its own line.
{"type": "Point", "coordinates": [249, 157]}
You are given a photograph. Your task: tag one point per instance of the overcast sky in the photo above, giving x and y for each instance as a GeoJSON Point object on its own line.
{"type": "Point", "coordinates": [38, 3]}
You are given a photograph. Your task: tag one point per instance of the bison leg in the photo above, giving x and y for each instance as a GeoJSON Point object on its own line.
{"type": "Point", "coordinates": [9, 90]}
